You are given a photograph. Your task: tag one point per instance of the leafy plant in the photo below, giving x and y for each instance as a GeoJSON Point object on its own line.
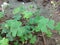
{"type": "Point", "coordinates": [42, 24]}
{"type": "Point", "coordinates": [11, 27]}
{"type": "Point", "coordinates": [14, 28]}
{"type": "Point", "coordinates": [34, 23]}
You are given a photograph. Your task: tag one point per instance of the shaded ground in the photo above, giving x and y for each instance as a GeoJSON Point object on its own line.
{"type": "Point", "coordinates": [48, 11]}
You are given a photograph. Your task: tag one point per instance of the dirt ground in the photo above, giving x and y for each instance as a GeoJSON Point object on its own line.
{"type": "Point", "coordinates": [47, 10]}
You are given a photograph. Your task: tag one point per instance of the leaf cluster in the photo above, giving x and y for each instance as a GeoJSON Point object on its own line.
{"type": "Point", "coordinates": [34, 23]}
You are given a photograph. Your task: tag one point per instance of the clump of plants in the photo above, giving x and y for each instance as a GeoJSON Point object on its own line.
{"type": "Point", "coordinates": [24, 24]}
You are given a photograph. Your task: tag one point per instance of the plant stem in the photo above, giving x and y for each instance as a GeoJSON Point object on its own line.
{"type": "Point", "coordinates": [43, 38]}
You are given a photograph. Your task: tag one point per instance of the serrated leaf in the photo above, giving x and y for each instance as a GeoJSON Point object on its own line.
{"type": "Point", "coordinates": [57, 27]}
{"type": "Point", "coordinates": [4, 41]}
{"type": "Point", "coordinates": [1, 14]}
{"type": "Point", "coordinates": [9, 36]}
{"type": "Point", "coordinates": [44, 29]}
{"type": "Point", "coordinates": [34, 20]}
{"type": "Point", "coordinates": [30, 36]}
{"type": "Point", "coordinates": [42, 24]}
{"type": "Point", "coordinates": [17, 17]}
{"type": "Point", "coordinates": [27, 14]}
{"type": "Point", "coordinates": [43, 21]}
{"type": "Point", "coordinates": [4, 31]}
{"type": "Point", "coordinates": [16, 43]}
{"type": "Point", "coordinates": [21, 31]}
{"type": "Point", "coordinates": [13, 23]}
{"type": "Point", "coordinates": [14, 32]}
{"type": "Point", "coordinates": [37, 28]}
{"type": "Point", "coordinates": [13, 26]}
{"type": "Point", "coordinates": [19, 9]}
{"type": "Point", "coordinates": [51, 24]}
{"type": "Point", "coordinates": [33, 40]}
{"type": "Point", "coordinates": [31, 6]}
{"type": "Point", "coordinates": [49, 33]}
{"type": "Point", "coordinates": [16, 10]}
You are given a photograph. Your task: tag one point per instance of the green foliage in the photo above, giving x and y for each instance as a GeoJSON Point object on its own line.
{"type": "Point", "coordinates": [11, 26]}
{"type": "Point", "coordinates": [34, 20]}
{"type": "Point", "coordinates": [33, 39]}
{"type": "Point", "coordinates": [4, 41]}
{"type": "Point", "coordinates": [17, 17]}
{"type": "Point", "coordinates": [51, 24]}
{"type": "Point", "coordinates": [1, 14]}
{"type": "Point", "coordinates": [57, 27]}
{"type": "Point", "coordinates": [48, 33]}
{"type": "Point", "coordinates": [14, 28]}
{"type": "Point", "coordinates": [19, 9]}
{"type": "Point", "coordinates": [27, 14]}
{"type": "Point", "coordinates": [33, 23]}
{"type": "Point", "coordinates": [31, 6]}
{"type": "Point", "coordinates": [42, 24]}
{"type": "Point", "coordinates": [16, 43]}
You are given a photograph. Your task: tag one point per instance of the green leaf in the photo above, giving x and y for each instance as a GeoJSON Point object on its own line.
{"type": "Point", "coordinates": [13, 23]}
{"type": "Point", "coordinates": [16, 43]}
{"type": "Point", "coordinates": [13, 26]}
{"type": "Point", "coordinates": [17, 17]}
{"type": "Point", "coordinates": [4, 31]}
{"type": "Point", "coordinates": [44, 21]}
{"type": "Point", "coordinates": [27, 14]}
{"type": "Point", "coordinates": [44, 29]}
{"type": "Point", "coordinates": [31, 6]}
{"type": "Point", "coordinates": [34, 20]}
{"type": "Point", "coordinates": [57, 27]}
{"type": "Point", "coordinates": [22, 9]}
{"type": "Point", "coordinates": [49, 33]}
{"type": "Point", "coordinates": [37, 28]}
{"type": "Point", "coordinates": [4, 41]}
{"type": "Point", "coordinates": [21, 31]}
{"type": "Point", "coordinates": [30, 36]}
{"type": "Point", "coordinates": [19, 10]}
{"type": "Point", "coordinates": [1, 14]}
{"type": "Point", "coordinates": [9, 36]}
{"type": "Point", "coordinates": [42, 24]}
{"type": "Point", "coordinates": [51, 24]}
{"type": "Point", "coordinates": [16, 10]}
{"type": "Point", "coordinates": [33, 40]}
{"type": "Point", "coordinates": [22, 39]}
{"type": "Point", "coordinates": [14, 32]}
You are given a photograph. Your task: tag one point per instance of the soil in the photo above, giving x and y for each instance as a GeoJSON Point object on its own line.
{"type": "Point", "coordinates": [47, 10]}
